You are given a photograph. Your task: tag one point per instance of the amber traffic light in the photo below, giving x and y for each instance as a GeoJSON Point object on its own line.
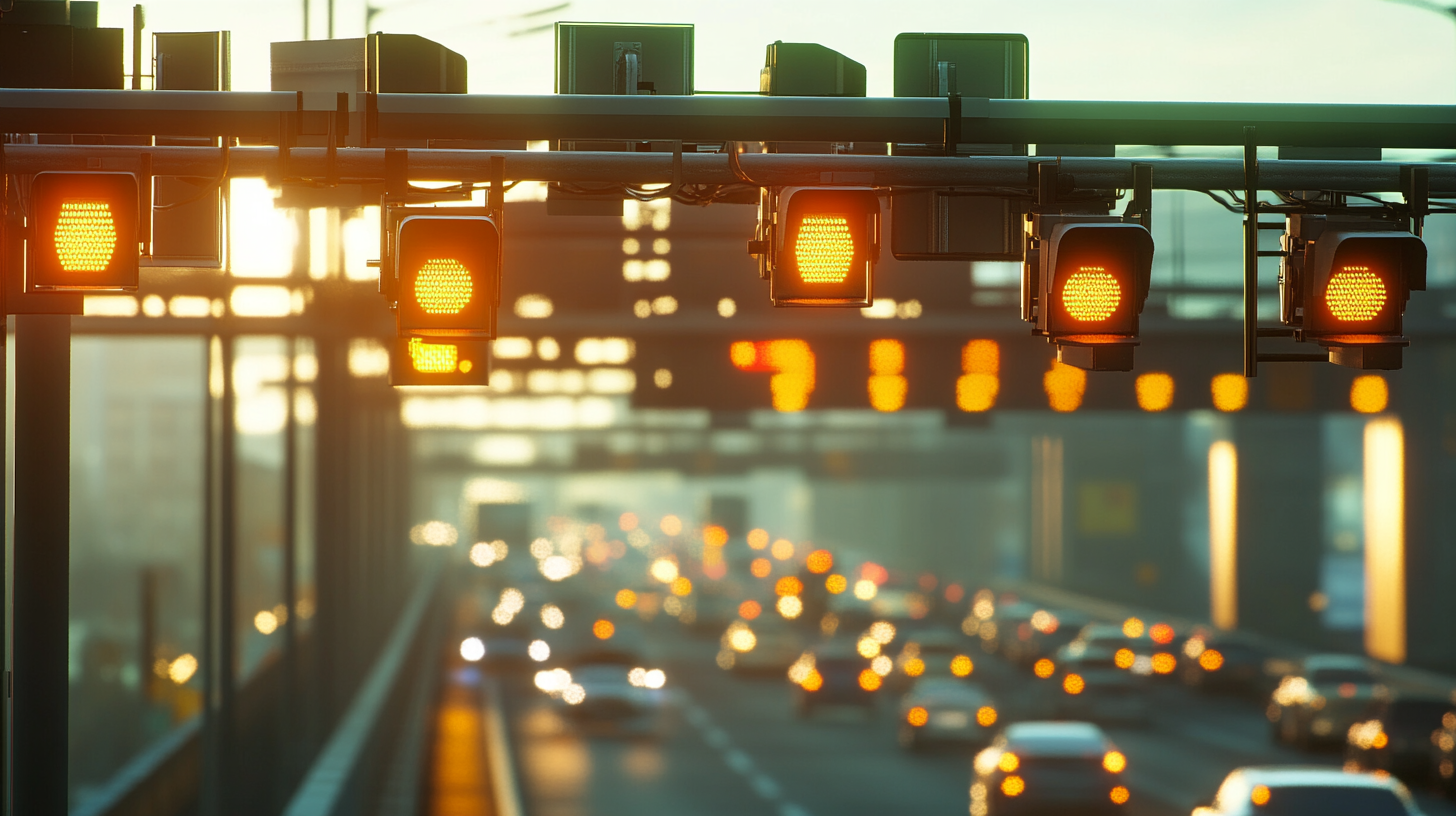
{"type": "Point", "coordinates": [433, 361]}
{"type": "Point", "coordinates": [448, 275]}
{"type": "Point", "coordinates": [824, 247]}
{"type": "Point", "coordinates": [1084, 284]}
{"type": "Point", "coordinates": [85, 232]}
{"type": "Point", "coordinates": [1345, 282]}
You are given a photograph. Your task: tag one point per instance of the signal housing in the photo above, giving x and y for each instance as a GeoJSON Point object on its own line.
{"type": "Point", "coordinates": [84, 234]}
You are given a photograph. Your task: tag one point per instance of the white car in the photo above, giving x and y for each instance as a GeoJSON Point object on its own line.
{"type": "Point", "coordinates": [944, 709]}
{"type": "Point", "coordinates": [1300, 791]}
{"type": "Point", "coordinates": [608, 690]}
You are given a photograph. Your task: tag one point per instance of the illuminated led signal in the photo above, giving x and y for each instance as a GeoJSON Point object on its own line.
{"type": "Point", "coordinates": [86, 232]}
{"type": "Point", "coordinates": [447, 270]}
{"type": "Point", "coordinates": [980, 381]}
{"type": "Point", "coordinates": [820, 246]}
{"type": "Point", "coordinates": [790, 361]}
{"type": "Point", "coordinates": [429, 361]}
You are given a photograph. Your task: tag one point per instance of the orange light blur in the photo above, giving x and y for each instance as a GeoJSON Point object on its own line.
{"type": "Point", "coordinates": [824, 248]}
{"type": "Point", "coordinates": [760, 567]}
{"type": "Point", "coordinates": [670, 525]}
{"type": "Point", "coordinates": [1008, 762]}
{"type": "Point", "coordinates": [433, 358]}
{"type": "Point", "coordinates": [1355, 294]}
{"type": "Point", "coordinates": [1369, 394]}
{"type": "Point", "coordinates": [961, 666]}
{"type": "Point", "coordinates": [1230, 392]}
{"type": "Point", "coordinates": [1091, 294]}
{"type": "Point", "coordinates": [681, 586]}
{"type": "Point", "coordinates": [1123, 658]}
{"type": "Point", "coordinates": [603, 629]}
{"type": "Point", "coordinates": [887, 387]}
{"type": "Point", "coordinates": [1073, 684]}
{"type": "Point", "coordinates": [626, 598]}
{"type": "Point", "coordinates": [813, 681]}
{"type": "Point", "coordinates": [1164, 663]}
{"type": "Point", "coordinates": [790, 361]}
{"type": "Point", "coordinates": [1210, 660]}
{"type": "Point", "coordinates": [1114, 761]}
{"type": "Point", "coordinates": [917, 716]}
{"type": "Point", "coordinates": [1161, 633]}
{"type": "Point", "coordinates": [1013, 786]}
{"type": "Point", "coordinates": [1154, 391]}
{"type": "Point", "coordinates": [985, 716]}
{"type": "Point", "coordinates": [714, 536]}
{"type": "Point", "coordinates": [782, 550]}
{"type": "Point", "coordinates": [85, 236]}
{"type": "Point", "coordinates": [1381, 740]}
{"type": "Point", "coordinates": [748, 610]}
{"type": "Point", "coordinates": [628, 522]}
{"type": "Point", "coordinates": [1119, 795]}
{"type": "Point", "coordinates": [836, 584]}
{"type": "Point", "coordinates": [1044, 668]}
{"type": "Point", "coordinates": [820, 561]}
{"type": "Point", "coordinates": [1064, 385]}
{"type": "Point", "coordinates": [914, 667]}
{"type": "Point", "coordinates": [1133, 627]}
{"type": "Point", "coordinates": [788, 585]}
{"type": "Point", "coordinates": [1259, 795]}
{"type": "Point", "coordinates": [868, 680]}
{"type": "Point", "coordinates": [977, 387]}
{"type": "Point", "coordinates": [757, 539]}
{"type": "Point", "coordinates": [954, 593]}
{"type": "Point", "coordinates": [443, 286]}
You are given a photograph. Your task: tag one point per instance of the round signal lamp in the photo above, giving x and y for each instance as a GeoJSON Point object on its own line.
{"type": "Point", "coordinates": [1091, 294]}
{"type": "Point", "coordinates": [824, 249]}
{"type": "Point", "coordinates": [1355, 294]}
{"type": "Point", "coordinates": [443, 286]}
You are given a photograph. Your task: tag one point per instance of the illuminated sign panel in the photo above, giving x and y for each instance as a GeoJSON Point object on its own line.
{"type": "Point", "coordinates": [422, 361]}
{"type": "Point", "coordinates": [828, 243]}
{"type": "Point", "coordinates": [448, 269]}
{"type": "Point", "coordinates": [85, 233]}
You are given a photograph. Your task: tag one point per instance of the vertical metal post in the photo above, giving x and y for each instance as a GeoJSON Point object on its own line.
{"type": "Point", "coordinates": [138, 24]}
{"type": "Point", "coordinates": [211, 764]}
{"type": "Point", "coordinates": [42, 561]}
{"type": "Point", "coordinates": [1251, 254]}
{"type": "Point", "coordinates": [147, 642]}
{"type": "Point", "coordinates": [227, 650]}
{"type": "Point", "coordinates": [291, 707]}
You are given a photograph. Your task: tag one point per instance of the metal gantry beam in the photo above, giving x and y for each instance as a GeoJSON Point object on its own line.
{"type": "Point", "coordinates": [355, 165]}
{"type": "Point", "coordinates": [906, 120]}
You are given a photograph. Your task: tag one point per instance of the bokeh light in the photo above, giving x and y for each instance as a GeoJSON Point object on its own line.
{"type": "Point", "coordinates": [760, 567]}
{"type": "Point", "coordinates": [782, 550]}
{"type": "Point", "coordinates": [757, 539]}
{"type": "Point", "coordinates": [961, 666]}
{"type": "Point", "coordinates": [472, 649]}
{"type": "Point", "coordinates": [789, 585]}
{"type": "Point", "coordinates": [820, 561]}
{"type": "Point", "coordinates": [1230, 392]}
{"type": "Point", "coordinates": [1044, 668]}
{"type": "Point", "coordinates": [836, 584]}
{"type": "Point", "coordinates": [603, 629]}
{"type": "Point", "coordinates": [626, 598]}
{"type": "Point", "coordinates": [748, 610]}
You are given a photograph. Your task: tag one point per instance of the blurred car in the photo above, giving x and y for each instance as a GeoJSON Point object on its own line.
{"type": "Point", "coordinates": [1220, 664]}
{"type": "Point", "coordinates": [1051, 633]}
{"type": "Point", "coordinates": [832, 674]}
{"type": "Point", "coordinates": [1318, 704]}
{"type": "Point", "coordinates": [1398, 737]}
{"type": "Point", "coordinates": [1297, 791]}
{"type": "Point", "coordinates": [928, 653]}
{"type": "Point", "coordinates": [1049, 767]}
{"type": "Point", "coordinates": [1001, 633]}
{"type": "Point", "coordinates": [774, 646]}
{"type": "Point", "coordinates": [946, 709]}
{"type": "Point", "coordinates": [507, 646]}
{"type": "Point", "coordinates": [1095, 682]}
{"type": "Point", "coordinates": [608, 688]}
{"type": "Point", "coordinates": [712, 613]}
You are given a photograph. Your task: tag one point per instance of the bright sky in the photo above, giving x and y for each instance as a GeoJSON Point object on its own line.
{"type": "Point", "coordinates": [1226, 50]}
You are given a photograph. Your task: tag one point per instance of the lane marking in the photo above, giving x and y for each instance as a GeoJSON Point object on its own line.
{"type": "Point", "coordinates": [762, 784]}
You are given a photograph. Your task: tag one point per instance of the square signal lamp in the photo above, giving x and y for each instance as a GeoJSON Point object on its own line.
{"type": "Point", "coordinates": [1084, 284]}
{"type": "Point", "coordinates": [825, 245]}
{"type": "Point", "coordinates": [419, 361]}
{"type": "Point", "coordinates": [1346, 284]}
{"type": "Point", "coordinates": [85, 233]}
{"type": "Point", "coordinates": [448, 275]}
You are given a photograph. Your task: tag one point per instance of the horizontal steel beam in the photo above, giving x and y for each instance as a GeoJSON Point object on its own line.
{"type": "Point", "coordinates": [773, 170]}
{"type": "Point", "coordinates": [736, 118]}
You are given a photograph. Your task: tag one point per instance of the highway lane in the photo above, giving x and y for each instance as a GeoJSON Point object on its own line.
{"type": "Point", "coordinates": [735, 747]}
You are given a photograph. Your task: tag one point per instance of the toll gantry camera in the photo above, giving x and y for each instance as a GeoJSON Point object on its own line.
{"type": "Point", "coordinates": [85, 232]}
{"type": "Point", "coordinates": [819, 246]}
{"type": "Point", "coordinates": [1344, 281]}
{"type": "Point", "coordinates": [1084, 282]}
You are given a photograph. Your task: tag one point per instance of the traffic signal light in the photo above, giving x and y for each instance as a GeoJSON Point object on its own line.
{"type": "Point", "coordinates": [1084, 283]}
{"type": "Point", "coordinates": [821, 245]}
{"type": "Point", "coordinates": [85, 232]}
{"type": "Point", "coordinates": [418, 361]}
{"type": "Point", "coordinates": [447, 270]}
{"type": "Point", "coordinates": [1344, 283]}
